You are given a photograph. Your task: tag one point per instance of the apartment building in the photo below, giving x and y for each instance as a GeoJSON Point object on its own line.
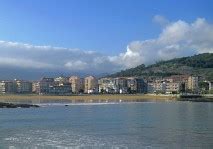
{"type": "Point", "coordinates": [192, 83]}
{"type": "Point", "coordinates": [44, 85]}
{"type": "Point", "coordinates": [121, 84]}
{"type": "Point", "coordinates": [107, 85]}
{"type": "Point", "coordinates": [172, 87]}
{"type": "Point", "coordinates": [90, 85]}
{"type": "Point", "coordinates": [60, 89]}
{"type": "Point", "coordinates": [136, 85]}
{"type": "Point", "coordinates": [77, 84]}
{"type": "Point", "coordinates": [163, 86]}
{"type": "Point", "coordinates": [35, 87]}
{"type": "Point", "coordinates": [23, 86]}
{"type": "Point", "coordinates": [7, 87]}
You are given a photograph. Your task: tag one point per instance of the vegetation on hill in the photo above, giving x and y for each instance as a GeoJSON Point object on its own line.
{"type": "Point", "coordinates": [201, 64]}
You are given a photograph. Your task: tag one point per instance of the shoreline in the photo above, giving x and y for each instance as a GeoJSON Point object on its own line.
{"type": "Point", "coordinates": [85, 98]}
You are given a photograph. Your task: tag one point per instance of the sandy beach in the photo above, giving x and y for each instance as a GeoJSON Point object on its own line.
{"type": "Point", "coordinates": [86, 98]}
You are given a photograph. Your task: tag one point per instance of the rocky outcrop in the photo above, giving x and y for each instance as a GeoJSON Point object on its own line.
{"type": "Point", "coordinates": [13, 105]}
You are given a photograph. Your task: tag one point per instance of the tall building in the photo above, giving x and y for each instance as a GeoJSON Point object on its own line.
{"type": "Point", "coordinates": [136, 85]}
{"type": "Point", "coordinates": [121, 83]}
{"type": "Point", "coordinates": [132, 85]}
{"type": "Point", "coordinates": [7, 87]}
{"type": "Point", "coordinates": [44, 85]}
{"type": "Point", "coordinates": [23, 86]}
{"type": "Point", "coordinates": [90, 84]}
{"type": "Point", "coordinates": [35, 87]}
{"type": "Point", "coordinates": [77, 84]}
{"type": "Point", "coordinates": [151, 87]}
{"type": "Point", "coordinates": [141, 85]}
{"type": "Point", "coordinates": [193, 83]}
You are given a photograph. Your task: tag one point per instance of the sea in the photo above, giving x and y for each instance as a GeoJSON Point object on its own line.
{"type": "Point", "coordinates": [123, 125]}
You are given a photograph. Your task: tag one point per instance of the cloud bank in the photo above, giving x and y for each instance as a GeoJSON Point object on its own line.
{"type": "Point", "coordinates": [177, 39]}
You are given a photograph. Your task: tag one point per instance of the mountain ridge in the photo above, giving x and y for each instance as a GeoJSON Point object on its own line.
{"type": "Point", "coordinates": [200, 64]}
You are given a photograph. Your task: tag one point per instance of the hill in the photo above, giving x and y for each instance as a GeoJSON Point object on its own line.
{"type": "Point", "coordinates": [201, 64]}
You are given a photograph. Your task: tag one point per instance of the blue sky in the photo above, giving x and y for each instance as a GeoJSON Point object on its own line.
{"type": "Point", "coordinates": [115, 30]}
{"type": "Point", "coordinates": [99, 25]}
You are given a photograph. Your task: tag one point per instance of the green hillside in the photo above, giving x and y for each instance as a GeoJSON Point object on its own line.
{"type": "Point", "coordinates": [201, 65]}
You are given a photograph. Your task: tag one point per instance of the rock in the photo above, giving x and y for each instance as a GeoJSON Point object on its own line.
{"type": "Point", "coordinates": [12, 105]}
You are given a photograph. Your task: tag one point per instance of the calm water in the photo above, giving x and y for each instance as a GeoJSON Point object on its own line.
{"type": "Point", "coordinates": [124, 125]}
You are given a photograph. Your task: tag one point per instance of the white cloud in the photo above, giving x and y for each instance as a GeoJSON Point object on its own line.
{"type": "Point", "coordinates": [24, 63]}
{"type": "Point", "coordinates": [177, 39]}
{"type": "Point", "coordinates": [76, 65]}
{"type": "Point", "coordinates": [159, 19]}
{"type": "Point", "coordinates": [23, 55]}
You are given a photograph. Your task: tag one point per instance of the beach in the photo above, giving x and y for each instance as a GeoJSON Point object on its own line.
{"type": "Point", "coordinates": [86, 98]}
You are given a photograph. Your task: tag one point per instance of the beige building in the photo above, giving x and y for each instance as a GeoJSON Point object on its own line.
{"type": "Point", "coordinates": [77, 84]}
{"type": "Point", "coordinates": [172, 87]}
{"type": "Point", "coordinates": [192, 83]}
{"type": "Point", "coordinates": [90, 84]}
{"type": "Point", "coordinates": [164, 86]}
{"type": "Point", "coordinates": [35, 87]}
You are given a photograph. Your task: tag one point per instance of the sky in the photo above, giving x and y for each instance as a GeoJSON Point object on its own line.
{"type": "Point", "coordinates": [44, 37]}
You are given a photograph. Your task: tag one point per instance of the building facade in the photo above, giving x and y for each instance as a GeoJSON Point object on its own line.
{"type": "Point", "coordinates": [121, 84]}
{"type": "Point", "coordinates": [60, 89]}
{"type": "Point", "coordinates": [7, 87]}
{"type": "Point", "coordinates": [61, 79]}
{"type": "Point", "coordinates": [192, 84]}
{"type": "Point", "coordinates": [163, 86]}
{"type": "Point", "coordinates": [35, 87]}
{"type": "Point", "coordinates": [107, 85]}
{"type": "Point", "coordinates": [23, 86]}
{"type": "Point", "coordinates": [77, 84]}
{"type": "Point", "coordinates": [90, 85]}
{"type": "Point", "coordinates": [136, 85]}
{"type": "Point", "coordinates": [44, 85]}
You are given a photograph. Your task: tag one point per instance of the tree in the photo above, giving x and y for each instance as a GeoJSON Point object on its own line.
{"type": "Point", "coordinates": [204, 86]}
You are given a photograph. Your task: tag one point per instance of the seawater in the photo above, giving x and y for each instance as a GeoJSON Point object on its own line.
{"type": "Point", "coordinates": [114, 126]}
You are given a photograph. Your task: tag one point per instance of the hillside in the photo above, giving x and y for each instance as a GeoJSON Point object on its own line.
{"type": "Point", "coordinates": [201, 65]}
